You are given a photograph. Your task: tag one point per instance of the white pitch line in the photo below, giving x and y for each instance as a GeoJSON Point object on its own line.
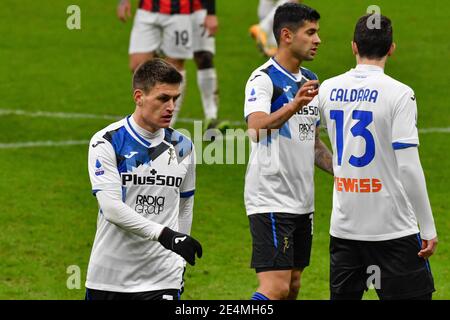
{"type": "Point", "coordinates": [435, 130]}
{"type": "Point", "coordinates": [64, 115]}
{"type": "Point", "coordinates": [38, 144]}
{"type": "Point", "coordinates": [72, 115]}
{"type": "Point", "coordinates": [49, 143]}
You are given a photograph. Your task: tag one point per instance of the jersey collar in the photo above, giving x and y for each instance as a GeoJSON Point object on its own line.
{"type": "Point", "coordinates": [368, 68]}
{"type": "Point", "coordinates": [136, 136]}
{"type": "Point", "coordinates": [286, 72]}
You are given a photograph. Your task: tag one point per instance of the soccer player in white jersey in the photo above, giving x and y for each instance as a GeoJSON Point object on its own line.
{"type": "Point", "coordinates": [143, 176]}
{"type": "Point", "coordinates": [379, 195]}
{"type": "Point", "coordinates": [279, 197]}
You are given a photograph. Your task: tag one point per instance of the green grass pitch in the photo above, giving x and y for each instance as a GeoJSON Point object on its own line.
{"type": "Point", "coordinates": [47, 212]}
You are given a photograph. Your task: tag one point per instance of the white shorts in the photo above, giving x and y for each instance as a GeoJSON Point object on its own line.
{"type": "Point", "coordinates": [171, 34]}
{"type": "Point", "coordinates": [264, 8]}
{"type": "Point", "coordinates": [202, 41]}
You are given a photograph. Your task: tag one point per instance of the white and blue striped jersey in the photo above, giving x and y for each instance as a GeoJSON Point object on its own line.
{"type": "Point", "coordinates": [152, 177]}
{"type": "Point", "coordinates": [280, 172]}
{"type": "Point", "coordinates": [368, 116]}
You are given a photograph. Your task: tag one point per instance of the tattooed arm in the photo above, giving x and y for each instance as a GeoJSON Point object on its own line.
{"type": "Point", "coordinates": [323, 156]}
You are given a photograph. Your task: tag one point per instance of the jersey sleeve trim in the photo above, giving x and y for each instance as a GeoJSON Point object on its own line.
{"type": "Point", "coordinates": [187, 194]}
{"type": "Point", "coordinates": [400, 145]}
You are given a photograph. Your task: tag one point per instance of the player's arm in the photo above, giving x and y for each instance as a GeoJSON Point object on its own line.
{"type": "Point", "coordinates": [123, 216]}
{"type": "Point", "coordinates": [187, 191]}
{"type": "Point", "coordinates": [186, 205]}
{"type": "Point", "coordinates": [413, 180]}
{"type": "Point", "coordinates": [124, 10]}
{"type": "Point", "coordinates": [405, 141]}
{"type": "Point", "coordinates": [186, 214]}
{"type": "Point", "coordinates": [115, 211]}
{"type": "Point", "coordinates": [211, 21]}
{"type": "Point", "coordinates": [260, 120]}
{"type": "Point", "coordinates": [322, 155]}
{"type": "Point", "coordinates": [107, 188]}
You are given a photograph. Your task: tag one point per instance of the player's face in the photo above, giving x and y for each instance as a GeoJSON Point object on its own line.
{"type": "Point", "coordinates": [158, 105]}
{"type": "Point", "coordinates": [306, 41]}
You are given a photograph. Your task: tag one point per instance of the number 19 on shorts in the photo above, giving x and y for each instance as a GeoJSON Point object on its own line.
{"type": "Point", "coordinates": [181, 38]}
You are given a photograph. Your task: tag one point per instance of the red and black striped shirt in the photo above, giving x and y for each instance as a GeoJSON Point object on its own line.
{"type": "Point", "coordinates": [172, 6]}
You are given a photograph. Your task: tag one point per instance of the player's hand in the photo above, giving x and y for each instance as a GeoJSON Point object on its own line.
{"type": "Point", "coordinates": [428, 248]}
{"type": "Point", "coordinates": [181, 244]}
{"type": "Point", "coordinates": [124, 10]}
{"type": "Point", "coordinates": [306, 93]}
{"type": "Point", "coordinates": [211, 24]}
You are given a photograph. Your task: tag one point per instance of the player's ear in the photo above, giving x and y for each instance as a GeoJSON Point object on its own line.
{"type": "Point", "coordinates": [354, 48]}
{"type": "Point", "coordinates": [286, 34]}
{"type": "Point", "coordinates": [392, 49]}
{"type": "Point", "coordinates": [138, 96]}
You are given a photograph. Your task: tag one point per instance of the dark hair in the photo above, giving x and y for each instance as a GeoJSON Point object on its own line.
{"type": "Point", "coordinates": [292, 16]}
{"type": "Point", "coordinates": [155, 71]}
{"type": "Point", "coordinates": [373, 42]}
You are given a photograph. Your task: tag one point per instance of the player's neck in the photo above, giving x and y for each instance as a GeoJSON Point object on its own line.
{"type": "Point", "coordinates": [373, 62]}
{"type": "Point", "coordinates": [287, 61]}
{"type": "Point", "coordinates": [143, 128]}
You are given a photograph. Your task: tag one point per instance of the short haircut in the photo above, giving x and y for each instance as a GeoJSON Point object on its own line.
{"type": "Point", "coordinates": [373, 42]}
{"type": "Point", "coordinates": [292, 16]}
{"type": "Point", "coordinates": [154, 71]}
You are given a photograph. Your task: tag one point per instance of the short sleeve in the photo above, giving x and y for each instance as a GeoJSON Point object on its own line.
{"type": "Point", "coordinates": [102, 166]}
{"type": "Point", "coordinates": [187, 188]}
{"type": "Point", "coordinates": [404, 122]}
{"type": "Point", "coordinates": [258, 94]}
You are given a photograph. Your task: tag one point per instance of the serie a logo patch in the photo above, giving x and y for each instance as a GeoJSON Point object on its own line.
{"type": "Point", "coordinates": [99, 168]}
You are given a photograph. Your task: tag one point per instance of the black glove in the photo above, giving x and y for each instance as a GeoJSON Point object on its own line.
{"type": "Point", "coordinates": [181, 244]}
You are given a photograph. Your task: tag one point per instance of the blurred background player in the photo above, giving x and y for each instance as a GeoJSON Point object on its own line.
{"type": "Point", "coordinates": [161, 26]}
{"type": "Point", "coordinates": [380, 195]}
{"type": "Point", "coordinates": [262, 32]}
{"type": "Point", "coordinates": [204, 27]}
{"type": "Point", "coordinates": [142, 238]}
{"type": "Point", "coordinates": [179, 30]}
